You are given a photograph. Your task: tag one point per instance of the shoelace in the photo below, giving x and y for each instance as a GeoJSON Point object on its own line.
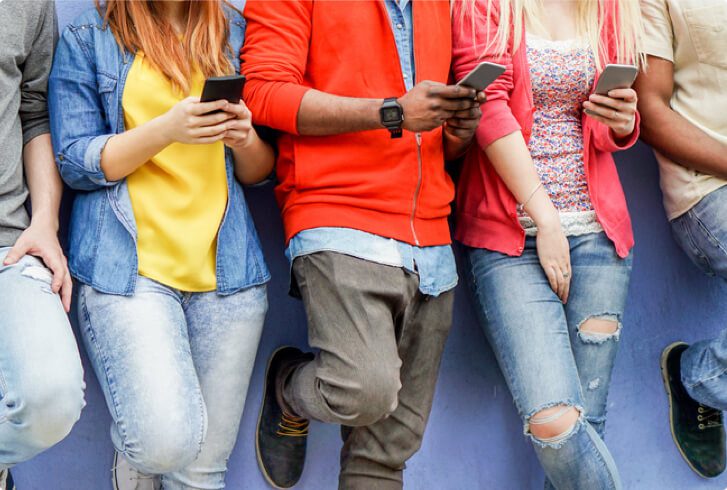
{"type": "Point", "coordinates": [708, 417]}
{"type": "Point", "coordinates": [290, 426]}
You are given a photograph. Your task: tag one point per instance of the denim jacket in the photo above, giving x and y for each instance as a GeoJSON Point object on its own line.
{"type": "Point", "coordinates": [85, 93]}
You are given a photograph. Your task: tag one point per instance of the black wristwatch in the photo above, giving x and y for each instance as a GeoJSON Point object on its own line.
{"type": "Point", "coordinates": [392, 116]}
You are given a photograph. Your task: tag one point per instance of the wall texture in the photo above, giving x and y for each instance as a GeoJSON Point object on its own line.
{"type": "Point", "coordinates": [474, 440]}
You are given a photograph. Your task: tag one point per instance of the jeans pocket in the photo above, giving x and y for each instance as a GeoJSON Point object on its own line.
{"type": "Point", "coordinates": [681, 228]}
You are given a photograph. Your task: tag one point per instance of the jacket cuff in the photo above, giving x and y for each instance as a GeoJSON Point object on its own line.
{"type": "Point", "coordinates": [92, 160]}
{"type": "Point", "coordinates": [284, 103]}
{"type": "Point", "coordinates": [614, 144]}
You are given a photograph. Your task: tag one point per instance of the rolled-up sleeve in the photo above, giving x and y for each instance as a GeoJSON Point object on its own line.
{"type": "Point", "coordinates": [658, 29]}
{"type": "Point", "coordinates": [274, 60]}
{"type": "Point", "coordinates": [472, 36]}
{"type": "Point", "coordinates": [78, 121]}
{"type": "Point", "coordinates": [36, 70]}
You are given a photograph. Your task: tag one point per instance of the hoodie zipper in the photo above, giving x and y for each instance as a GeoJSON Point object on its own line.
{"type": "Point", "coordinates": [418, 188]}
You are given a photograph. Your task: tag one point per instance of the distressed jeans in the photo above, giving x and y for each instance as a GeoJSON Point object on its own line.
{"type": "Point", "coordinates": [702, 234]}
{"type": "Point", "coordinates": [545, 358]}
{"type": "Point", "coordinates": [41, 378]}
{"type": "Point", "coordinates": [174, 368]}
{"type": "Point", "coordinates": [380, 343]}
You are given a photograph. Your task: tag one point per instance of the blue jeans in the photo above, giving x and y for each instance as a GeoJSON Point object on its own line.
{"type": "Point", "coordinates": [545, 358]}
{"type": "Point", "coordinates": [174, 368]}
{"type": "Point", "coordinates": [702, 233]}
{"type": "Point", "coordinates": [41, 378]}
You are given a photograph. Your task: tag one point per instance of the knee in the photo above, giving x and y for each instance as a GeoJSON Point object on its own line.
{"type": "Point", "coordinates": [47, 411]}
{"type": "Point", "coordinates": [372, 396]}
{"type": "Point", "coordinates": [163, 449]}
{"type": "Point", "coordinates": [600, 329]}
{"type": "Point", "coordinates": [553, 425]}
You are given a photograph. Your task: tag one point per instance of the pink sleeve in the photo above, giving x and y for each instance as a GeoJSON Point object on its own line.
{"type": "Point", "coordinates": [470, 34]}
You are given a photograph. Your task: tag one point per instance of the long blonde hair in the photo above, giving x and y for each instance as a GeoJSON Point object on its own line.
{"type": "Point", "coordinates": [624, 15]}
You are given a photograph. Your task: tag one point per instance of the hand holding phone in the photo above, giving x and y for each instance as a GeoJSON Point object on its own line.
{"type": "Point", "coordinates": [613, 102]}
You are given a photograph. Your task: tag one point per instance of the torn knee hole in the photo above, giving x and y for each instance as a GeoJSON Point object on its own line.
{"type": "Point", "coordinates": [40, 274]}
{"type": "Point", "coordinates": [554, 423]}
{"type": "Point", "coordinates": [600, 329]}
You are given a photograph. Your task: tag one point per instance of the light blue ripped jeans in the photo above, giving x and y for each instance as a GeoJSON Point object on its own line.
{"type": "Point", "coordinates": [41, 378]}
{"type": "Point", "coordinates": [174, 368]}
{"type": "Point", "coordinates": [544, 357]}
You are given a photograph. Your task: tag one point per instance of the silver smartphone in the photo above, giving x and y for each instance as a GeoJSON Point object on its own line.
{"type": "Point", "coordinates": [615, 77]}
{"type": "Point", "coordinates": [482, 75]}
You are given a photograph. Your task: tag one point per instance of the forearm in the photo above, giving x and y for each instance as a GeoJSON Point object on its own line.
{"type": "Point", "coordinates": [455, 147]}
{"type": "Point", "coordinates": [322, 114]}
{"type": "Point", "coordinates": [255, 161]}
{"type": "Point", "coordinates": [682, 142]}
{"type": "Point", "coordinates": [126, 152]}
{"type": "Point", "coordinates": [43, 181]}
{"type": "Point", "coordinates": [511, 159]}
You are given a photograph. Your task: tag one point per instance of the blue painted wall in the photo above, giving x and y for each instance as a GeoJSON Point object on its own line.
{"type": "Point", "coordinates": [474, 440]}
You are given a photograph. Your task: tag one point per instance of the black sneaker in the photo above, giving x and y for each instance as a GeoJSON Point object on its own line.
{"type": "Point", "coordinates": [281, 437]}
{"type": "Point", "coordinates": [697, 429]}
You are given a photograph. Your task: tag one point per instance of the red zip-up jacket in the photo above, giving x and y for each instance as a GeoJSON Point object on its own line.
{"type": "Point", "coordinates": [486, 209]}
{"type": "Point", "coordinates": [396, 188]}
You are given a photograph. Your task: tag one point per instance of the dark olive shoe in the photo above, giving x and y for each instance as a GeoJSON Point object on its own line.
{"type": "Point", "coordinates": [697, 429]}
{"type": "Point", "coordinates": [281, 437]}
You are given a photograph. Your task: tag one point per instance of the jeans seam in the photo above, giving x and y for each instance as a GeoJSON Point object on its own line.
{"type": "Point", "coordinates": [598, 454]}
{"type": "Point", "coordinates": [104, 360]}
{"type": "Point", "coordinates": [720, 373]}
{"type": "Point", "coordinates": [697, 249]}
{"type": "Point", "coordinates": [709, 234]}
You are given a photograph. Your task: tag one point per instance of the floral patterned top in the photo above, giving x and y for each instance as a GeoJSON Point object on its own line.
{"type": "Point", "coordinates": [562, 74]}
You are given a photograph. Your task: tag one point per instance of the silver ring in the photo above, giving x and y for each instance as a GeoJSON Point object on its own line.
{"type": "Point", "coordinates": [566, 275]}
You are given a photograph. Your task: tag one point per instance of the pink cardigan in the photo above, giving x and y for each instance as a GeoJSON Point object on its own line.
{"type": "Point", "coordinates": [486, 209]}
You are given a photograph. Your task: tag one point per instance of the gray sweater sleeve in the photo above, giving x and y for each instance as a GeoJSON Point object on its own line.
{"type": "Point", "coordinates": [36, 69]}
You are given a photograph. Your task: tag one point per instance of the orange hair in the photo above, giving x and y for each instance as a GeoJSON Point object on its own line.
{"type": "Point", "coordinates": [141, 25]}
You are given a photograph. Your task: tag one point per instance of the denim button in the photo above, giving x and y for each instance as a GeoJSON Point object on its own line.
{"type": "Point", "coordinates": [399, 26]}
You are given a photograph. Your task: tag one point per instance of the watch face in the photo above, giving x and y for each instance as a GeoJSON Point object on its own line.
{"type": "Point", "coordinates": [391, 114]}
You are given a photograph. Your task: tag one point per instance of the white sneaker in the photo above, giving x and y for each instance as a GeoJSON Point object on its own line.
{"type": "Point", "coordinates": [6, 481]}
{"type": "Point", "coordinates": [126, 477]}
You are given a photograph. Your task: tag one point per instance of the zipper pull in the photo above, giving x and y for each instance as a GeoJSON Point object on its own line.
{"type": "Point", "coordinates": [419, 139]}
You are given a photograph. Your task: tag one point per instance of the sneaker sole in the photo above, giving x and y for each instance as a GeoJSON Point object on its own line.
{"type": "Point", "coordinates": [259, 422]}
{"type": "Point", "coordinates": [665, 378]}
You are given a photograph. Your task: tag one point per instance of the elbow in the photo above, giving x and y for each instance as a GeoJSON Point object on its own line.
{"type": "Point", "coordinates": [110, 175]}
{"type": "Point", "coordinates": [254, 176]}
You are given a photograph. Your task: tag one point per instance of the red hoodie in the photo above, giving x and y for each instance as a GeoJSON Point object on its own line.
{"type": "Point", "coordinates": [396, 188]}
{"type": "Point", "coordinates": [486, 209]}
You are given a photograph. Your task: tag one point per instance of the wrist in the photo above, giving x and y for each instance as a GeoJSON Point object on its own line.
{"type": "Point", "coordinates": [45, 220]}
{"type": "Point", "coordinates": [162, 128]}
{"type": "Point", "coordinates": [548, 222]}
{"type": "Point", "coordinates": [391, 115]}
{"type": "Point", "coordinates": [250, 141]}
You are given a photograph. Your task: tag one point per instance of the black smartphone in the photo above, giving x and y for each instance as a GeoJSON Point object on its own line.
{"type": "Point", "coordinates": [227, 88]}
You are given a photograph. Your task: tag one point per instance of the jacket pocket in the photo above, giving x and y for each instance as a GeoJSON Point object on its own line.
{"type": "Point", "coordinates": [107, 92]}
{"type": "Point", "coordinates": [708, 30]}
